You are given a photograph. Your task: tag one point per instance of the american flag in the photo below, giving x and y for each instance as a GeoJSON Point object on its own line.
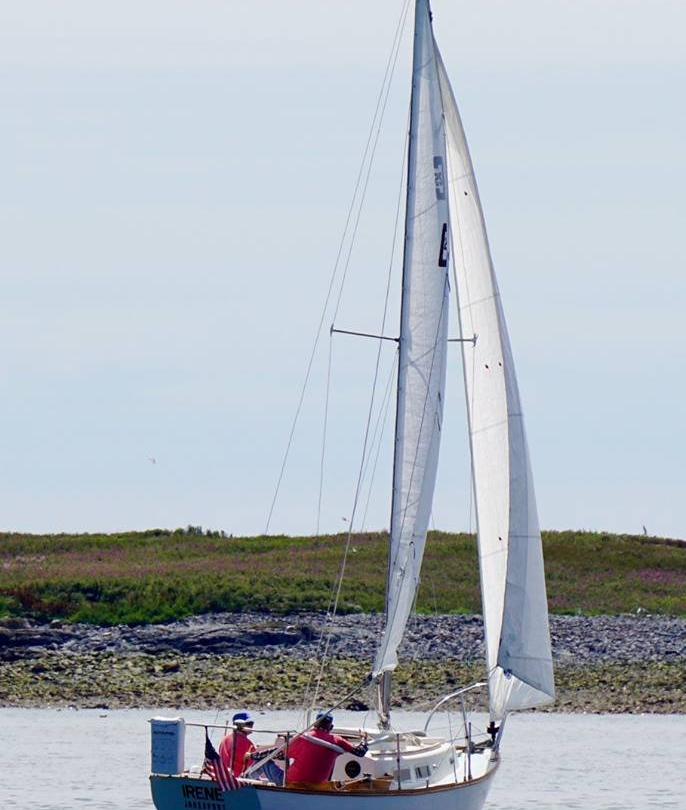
{"type": "Point", "coordinates": [214, 766]}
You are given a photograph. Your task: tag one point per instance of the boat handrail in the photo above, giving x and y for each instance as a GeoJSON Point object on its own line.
{"type": "Point", "coordinates": [224, 726]}
{"type": "Point", "coordinates": [452, 695]}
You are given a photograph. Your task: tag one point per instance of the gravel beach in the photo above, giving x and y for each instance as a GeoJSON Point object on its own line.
{"type": "Point", "coordinates": [603, 663]}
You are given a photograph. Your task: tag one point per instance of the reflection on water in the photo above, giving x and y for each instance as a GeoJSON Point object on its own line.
{"type": "Point", "coordinates": [97, 760]}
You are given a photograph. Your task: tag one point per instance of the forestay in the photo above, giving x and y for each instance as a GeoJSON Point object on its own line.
{"type": "Point", "coordinates": [510, 554]}
{"type": "Point", "coordinates": [423, 341]}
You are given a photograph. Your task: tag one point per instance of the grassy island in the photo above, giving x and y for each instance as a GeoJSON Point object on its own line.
{"type": "Point", "coordinates": [160, 575]}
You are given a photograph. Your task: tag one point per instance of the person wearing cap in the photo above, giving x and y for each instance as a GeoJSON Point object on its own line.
{"type": "Point", "coordinates": [235, 749]}
{"type": "Point", "coordinates": [314, 753]}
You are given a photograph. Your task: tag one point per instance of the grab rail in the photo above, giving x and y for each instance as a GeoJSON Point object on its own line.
{"type": "Point", "coordinates": [224, 726]}
{"type": "Point", "coordinates": [450, 697]}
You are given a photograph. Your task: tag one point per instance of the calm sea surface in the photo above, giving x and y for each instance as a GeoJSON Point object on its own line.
{"type": "Point", "coordinates": [99, 760]}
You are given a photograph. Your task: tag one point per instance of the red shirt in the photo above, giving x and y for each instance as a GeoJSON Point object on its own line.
{"type": "Point", "coordinates": [313, 762]}
{"type": "Point", "coordinates": [232, 750]}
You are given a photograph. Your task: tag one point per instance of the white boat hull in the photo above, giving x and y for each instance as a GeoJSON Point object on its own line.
{"type": "Point", "coordinates": [187, 793]}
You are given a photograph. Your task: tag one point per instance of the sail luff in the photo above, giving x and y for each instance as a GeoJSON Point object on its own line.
{"type": "Point", "coordinates": [423, 342]}
{"type": "Point", "coordinates": [510, 554]}
{"type": "Point", "coordinates": [384, 683]}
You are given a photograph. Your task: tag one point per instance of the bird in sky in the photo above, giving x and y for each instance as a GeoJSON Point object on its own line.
{"type": "Point", "coordinates": [152, 460]}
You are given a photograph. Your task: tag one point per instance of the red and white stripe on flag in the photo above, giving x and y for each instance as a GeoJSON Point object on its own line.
{"type": "Point", "coordinates": [214, 766]}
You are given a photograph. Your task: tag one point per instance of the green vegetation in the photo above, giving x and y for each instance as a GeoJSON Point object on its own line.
{"type": "Point", "coordinates": [159, 575]}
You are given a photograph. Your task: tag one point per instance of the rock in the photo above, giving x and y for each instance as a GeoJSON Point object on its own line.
{"type": "Point", "coordinates": [14, 622]}
{"type": "Point", "coordinates": [357, 706]}
{"type": "Point", "coordinates": [576, 639]}
{"type": "Point", "coordinates": [306, 631]}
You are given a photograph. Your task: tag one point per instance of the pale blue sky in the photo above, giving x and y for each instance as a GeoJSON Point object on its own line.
{"type": "Point", "coordinates": [175, 177]}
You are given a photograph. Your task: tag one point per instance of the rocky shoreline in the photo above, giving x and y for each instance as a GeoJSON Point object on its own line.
{"type": "Point", "coordinates": [631, 663]}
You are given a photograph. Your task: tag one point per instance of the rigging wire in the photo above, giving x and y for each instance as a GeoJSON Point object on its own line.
{"type": "Point", "coordinates": [324, 429]}
{"type": "Point", "coordinates": [381, 107]}
{"type": "Point", "coordinates": [365, 443]}
{"type": "Point", "coordinates": [398, 208]}
{"type": "Point", "coordinates": [366, 183]}
{"type": "Point", "coordinates": [384, 410]}
{"type": "Point", "coordinates": [367, 157]}
{"type": "Point", "coordinates": [385, 402]}
{"type": "Point", "coordinates": [358, 486]}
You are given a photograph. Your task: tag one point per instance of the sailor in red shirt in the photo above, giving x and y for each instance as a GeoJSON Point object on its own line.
{"type": "Point", "coordinates": [235, 748]}
{"type": "Point", "coordinates": [314, 752]}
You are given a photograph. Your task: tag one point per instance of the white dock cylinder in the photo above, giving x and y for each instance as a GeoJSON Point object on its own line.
{"type": "Point", "coordinates": [167, 741]}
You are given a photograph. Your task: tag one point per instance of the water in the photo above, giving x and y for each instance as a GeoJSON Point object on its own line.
{"type": "Point", "coordinates": [98, 760]}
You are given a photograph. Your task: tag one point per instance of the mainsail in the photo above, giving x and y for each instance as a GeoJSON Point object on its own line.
{"type": "Point", "coordinates": [423, 341]}
{"type": "Point", "coordinates": [520, 672]}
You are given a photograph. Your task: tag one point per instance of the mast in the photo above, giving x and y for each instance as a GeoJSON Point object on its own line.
{"type": "Point", "coordinates": [385, 681]}
{"type": "Point", "coordinates": [422, 350]}
{"type": "Point", "coordinates": [384, 695]}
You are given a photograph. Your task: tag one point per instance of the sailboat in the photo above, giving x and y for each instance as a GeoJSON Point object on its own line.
{"type": "Point", "coordinates": [445, 238]}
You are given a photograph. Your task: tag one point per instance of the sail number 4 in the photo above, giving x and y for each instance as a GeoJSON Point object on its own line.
{"type": "Point", "coordinates": [439, 181]}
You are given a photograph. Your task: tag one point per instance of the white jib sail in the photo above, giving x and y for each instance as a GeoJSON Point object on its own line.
{"type": "Point", "coordinates": [423, 342]}
{"type": "Point", "coordinates": [510, 554]}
